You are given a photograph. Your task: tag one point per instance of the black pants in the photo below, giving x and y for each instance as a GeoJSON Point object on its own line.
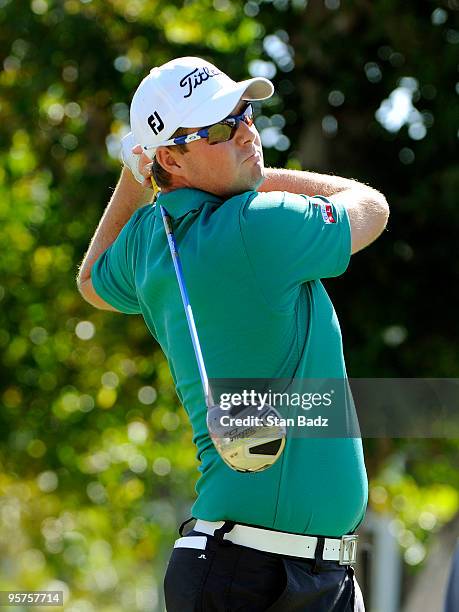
{"type": "Point", "coordinates": [226, 577]}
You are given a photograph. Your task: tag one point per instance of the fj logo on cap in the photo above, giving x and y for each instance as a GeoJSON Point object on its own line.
{"type": "Point", "coordinates": [156, 123]}
{"type": "Point", "coordinates": [195, 78]}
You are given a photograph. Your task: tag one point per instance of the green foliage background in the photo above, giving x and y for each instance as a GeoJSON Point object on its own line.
{"type": "Point", "coordinates": [97, 466]}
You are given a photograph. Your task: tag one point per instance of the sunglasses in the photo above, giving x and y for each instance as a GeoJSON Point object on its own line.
{"type": "Point", "coordinates": [219, 132]}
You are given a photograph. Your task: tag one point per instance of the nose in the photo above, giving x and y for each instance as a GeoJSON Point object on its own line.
{"type": "Point", "coordinates": [245, 133]}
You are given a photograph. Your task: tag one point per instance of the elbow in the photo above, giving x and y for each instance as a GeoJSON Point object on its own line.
{"type": "Point", "coordinates": [368, 221]}
{"type": "Point", "coordinates": [383, 212]}
{"type": "Point", "coordinates": [84, 288]}
{"type": "Point", "coordinates": [88, 293]}
{"type": "Point", "coordinates": [381, 209]}
{"type": "Point", "coordinates": [80, 283]}
{"type": "Point", "coordinates": [82, 291]}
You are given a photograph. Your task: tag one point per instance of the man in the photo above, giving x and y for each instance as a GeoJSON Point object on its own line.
{"type": "Point", "coordinates": [252, 263]}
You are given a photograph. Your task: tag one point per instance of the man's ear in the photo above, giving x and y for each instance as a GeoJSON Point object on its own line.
{"type": "Point", "coordinates": [169, 160]}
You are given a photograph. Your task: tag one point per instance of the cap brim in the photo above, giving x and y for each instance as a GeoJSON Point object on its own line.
{"type": "Point", "coordinates": [223, 102]}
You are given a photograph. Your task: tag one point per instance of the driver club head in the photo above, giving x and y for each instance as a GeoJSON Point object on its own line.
{"type": "Point", "coordinates": [248, 438]}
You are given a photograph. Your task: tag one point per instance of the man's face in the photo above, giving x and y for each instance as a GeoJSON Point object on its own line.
{"type": "Point", "coordinates": [227, 168]}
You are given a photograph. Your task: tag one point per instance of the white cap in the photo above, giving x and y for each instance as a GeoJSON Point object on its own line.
{"type": "Point", "coordinates": [187, 92]}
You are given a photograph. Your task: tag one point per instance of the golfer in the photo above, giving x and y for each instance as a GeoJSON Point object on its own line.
{"type": "Point", "coordinates": [254, 244]}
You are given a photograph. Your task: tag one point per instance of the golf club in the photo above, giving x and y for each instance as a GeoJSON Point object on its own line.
{"type": "Point", "coordinates": [246, 448]}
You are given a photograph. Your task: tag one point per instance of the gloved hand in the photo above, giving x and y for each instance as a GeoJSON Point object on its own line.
{"type": "Point", "coordinates": [138, 163]}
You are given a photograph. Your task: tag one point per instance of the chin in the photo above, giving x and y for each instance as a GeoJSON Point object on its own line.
{"type": "Point", "coordinates": [249, 182]}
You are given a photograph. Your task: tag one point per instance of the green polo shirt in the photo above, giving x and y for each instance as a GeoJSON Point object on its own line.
{"type": "Point", "coordinates": [252, 266]}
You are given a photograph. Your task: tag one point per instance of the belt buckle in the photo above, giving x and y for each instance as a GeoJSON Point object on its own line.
{"type": "Point", "coordinates": [348, 549]}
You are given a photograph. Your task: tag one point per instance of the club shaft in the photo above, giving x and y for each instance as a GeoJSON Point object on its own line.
{"type": "Point", "coordinates": [186, 304]}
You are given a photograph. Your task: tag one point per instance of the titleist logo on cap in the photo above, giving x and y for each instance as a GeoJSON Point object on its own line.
{"type": "Point", "coordinates": [195, 78]}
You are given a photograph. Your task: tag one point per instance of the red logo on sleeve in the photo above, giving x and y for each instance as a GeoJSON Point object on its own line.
{"type": "Point", "coordinates": [327, 213]}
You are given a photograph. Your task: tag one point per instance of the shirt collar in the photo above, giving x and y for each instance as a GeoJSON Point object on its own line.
{"type": "Point", "coordinates": [181, 201]}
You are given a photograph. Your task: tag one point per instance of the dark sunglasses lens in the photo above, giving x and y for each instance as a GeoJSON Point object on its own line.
{"type": "Point", "coordinates": [219, 132]}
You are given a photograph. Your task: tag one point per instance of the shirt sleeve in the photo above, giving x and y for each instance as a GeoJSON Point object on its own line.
{"type": "Point", "coordinates": [295, 238]}
{"type": "Point", "coordinates": [113, 273]}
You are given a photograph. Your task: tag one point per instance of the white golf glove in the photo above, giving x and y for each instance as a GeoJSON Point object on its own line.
{"type": "Point", "coordinates": [130, 159]}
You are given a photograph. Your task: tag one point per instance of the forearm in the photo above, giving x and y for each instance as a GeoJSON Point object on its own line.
{"type": "Point", "coordinates": [128, 196]}
{"type": "Point", "coordinates": [307, 183]}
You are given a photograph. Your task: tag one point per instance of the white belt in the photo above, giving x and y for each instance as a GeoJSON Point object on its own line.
{"type": "Point", "coordinates": [279, 542]}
